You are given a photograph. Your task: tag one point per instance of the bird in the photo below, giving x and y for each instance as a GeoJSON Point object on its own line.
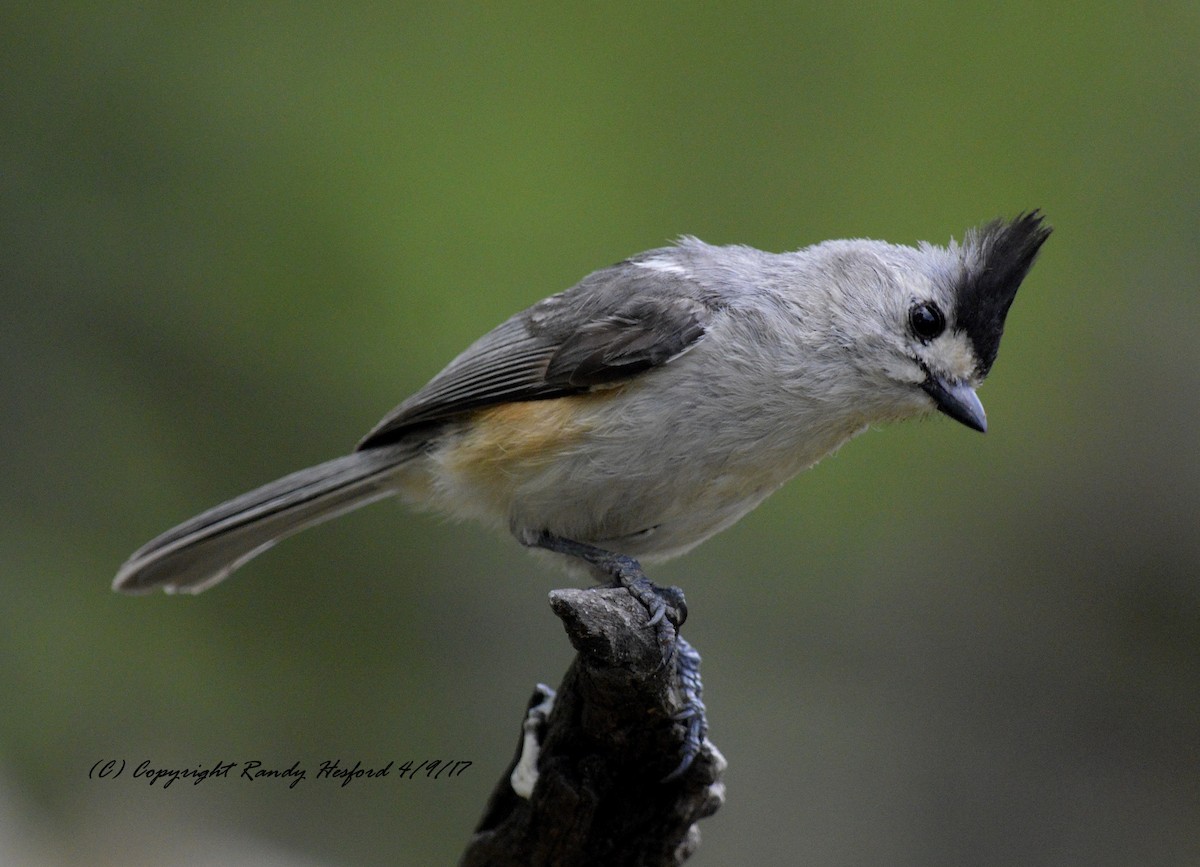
{"type": "Point", "coordinates": [636, 414]}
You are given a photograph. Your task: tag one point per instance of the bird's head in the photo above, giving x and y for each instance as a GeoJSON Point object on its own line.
{"type": "Point", "coordinates": [926, 329]}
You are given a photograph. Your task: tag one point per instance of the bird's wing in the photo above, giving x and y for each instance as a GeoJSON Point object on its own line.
{"type": "Point", "coordinates": [615, 324]}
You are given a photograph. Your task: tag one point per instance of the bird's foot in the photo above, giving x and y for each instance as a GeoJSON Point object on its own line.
{"type": "Point", "coordinates": [692, 715]}
{"type": "Point", "coordinates": [666, 605]}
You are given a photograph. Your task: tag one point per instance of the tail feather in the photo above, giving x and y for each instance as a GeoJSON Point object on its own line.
{"type": "Point", "coordinates": [204, 550]}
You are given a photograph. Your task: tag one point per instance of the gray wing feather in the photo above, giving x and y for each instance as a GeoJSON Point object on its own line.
{"type": "Point", "coordinates": [638, 337]}
{"type": "Point", "coordinates": [615, 324]}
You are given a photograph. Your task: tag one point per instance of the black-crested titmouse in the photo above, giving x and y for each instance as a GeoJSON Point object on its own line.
{"type": "Point", "coordinates": [652, 405]}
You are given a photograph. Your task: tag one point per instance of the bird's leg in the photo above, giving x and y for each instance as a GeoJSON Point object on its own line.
{"type": "Point", "coordinates": [667, 610]}
{"type": "Point", "coordinates": [666, 605]}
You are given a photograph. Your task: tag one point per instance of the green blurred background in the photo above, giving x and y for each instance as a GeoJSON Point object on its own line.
{"type": "Point", "coordinates": [233, 236]}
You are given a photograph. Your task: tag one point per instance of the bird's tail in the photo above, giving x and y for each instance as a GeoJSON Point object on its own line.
{"type": "Point", "coordinates": [200, 552]}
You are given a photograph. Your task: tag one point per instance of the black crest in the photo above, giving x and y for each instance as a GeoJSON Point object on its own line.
{"type": "Point", "coordinates": [995, 259]}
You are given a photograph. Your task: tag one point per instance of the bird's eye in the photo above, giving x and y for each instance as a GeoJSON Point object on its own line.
{"type": "Point", "coordinates": [926, 321]}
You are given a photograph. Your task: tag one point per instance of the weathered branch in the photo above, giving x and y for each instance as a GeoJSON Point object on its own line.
{"type": "Point", "coordinates": [591, 771]}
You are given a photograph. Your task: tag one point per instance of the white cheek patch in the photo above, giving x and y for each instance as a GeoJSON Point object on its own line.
{"type": "Point", "coordinates": [952, 354]}
{"type": "Point", "coordinates": [904, 370]}
{"type": "Point", "coordinates": [663, 266]}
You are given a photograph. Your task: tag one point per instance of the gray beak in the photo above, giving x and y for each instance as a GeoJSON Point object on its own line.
{"type": "Point", "coordinates": [957, 400]}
